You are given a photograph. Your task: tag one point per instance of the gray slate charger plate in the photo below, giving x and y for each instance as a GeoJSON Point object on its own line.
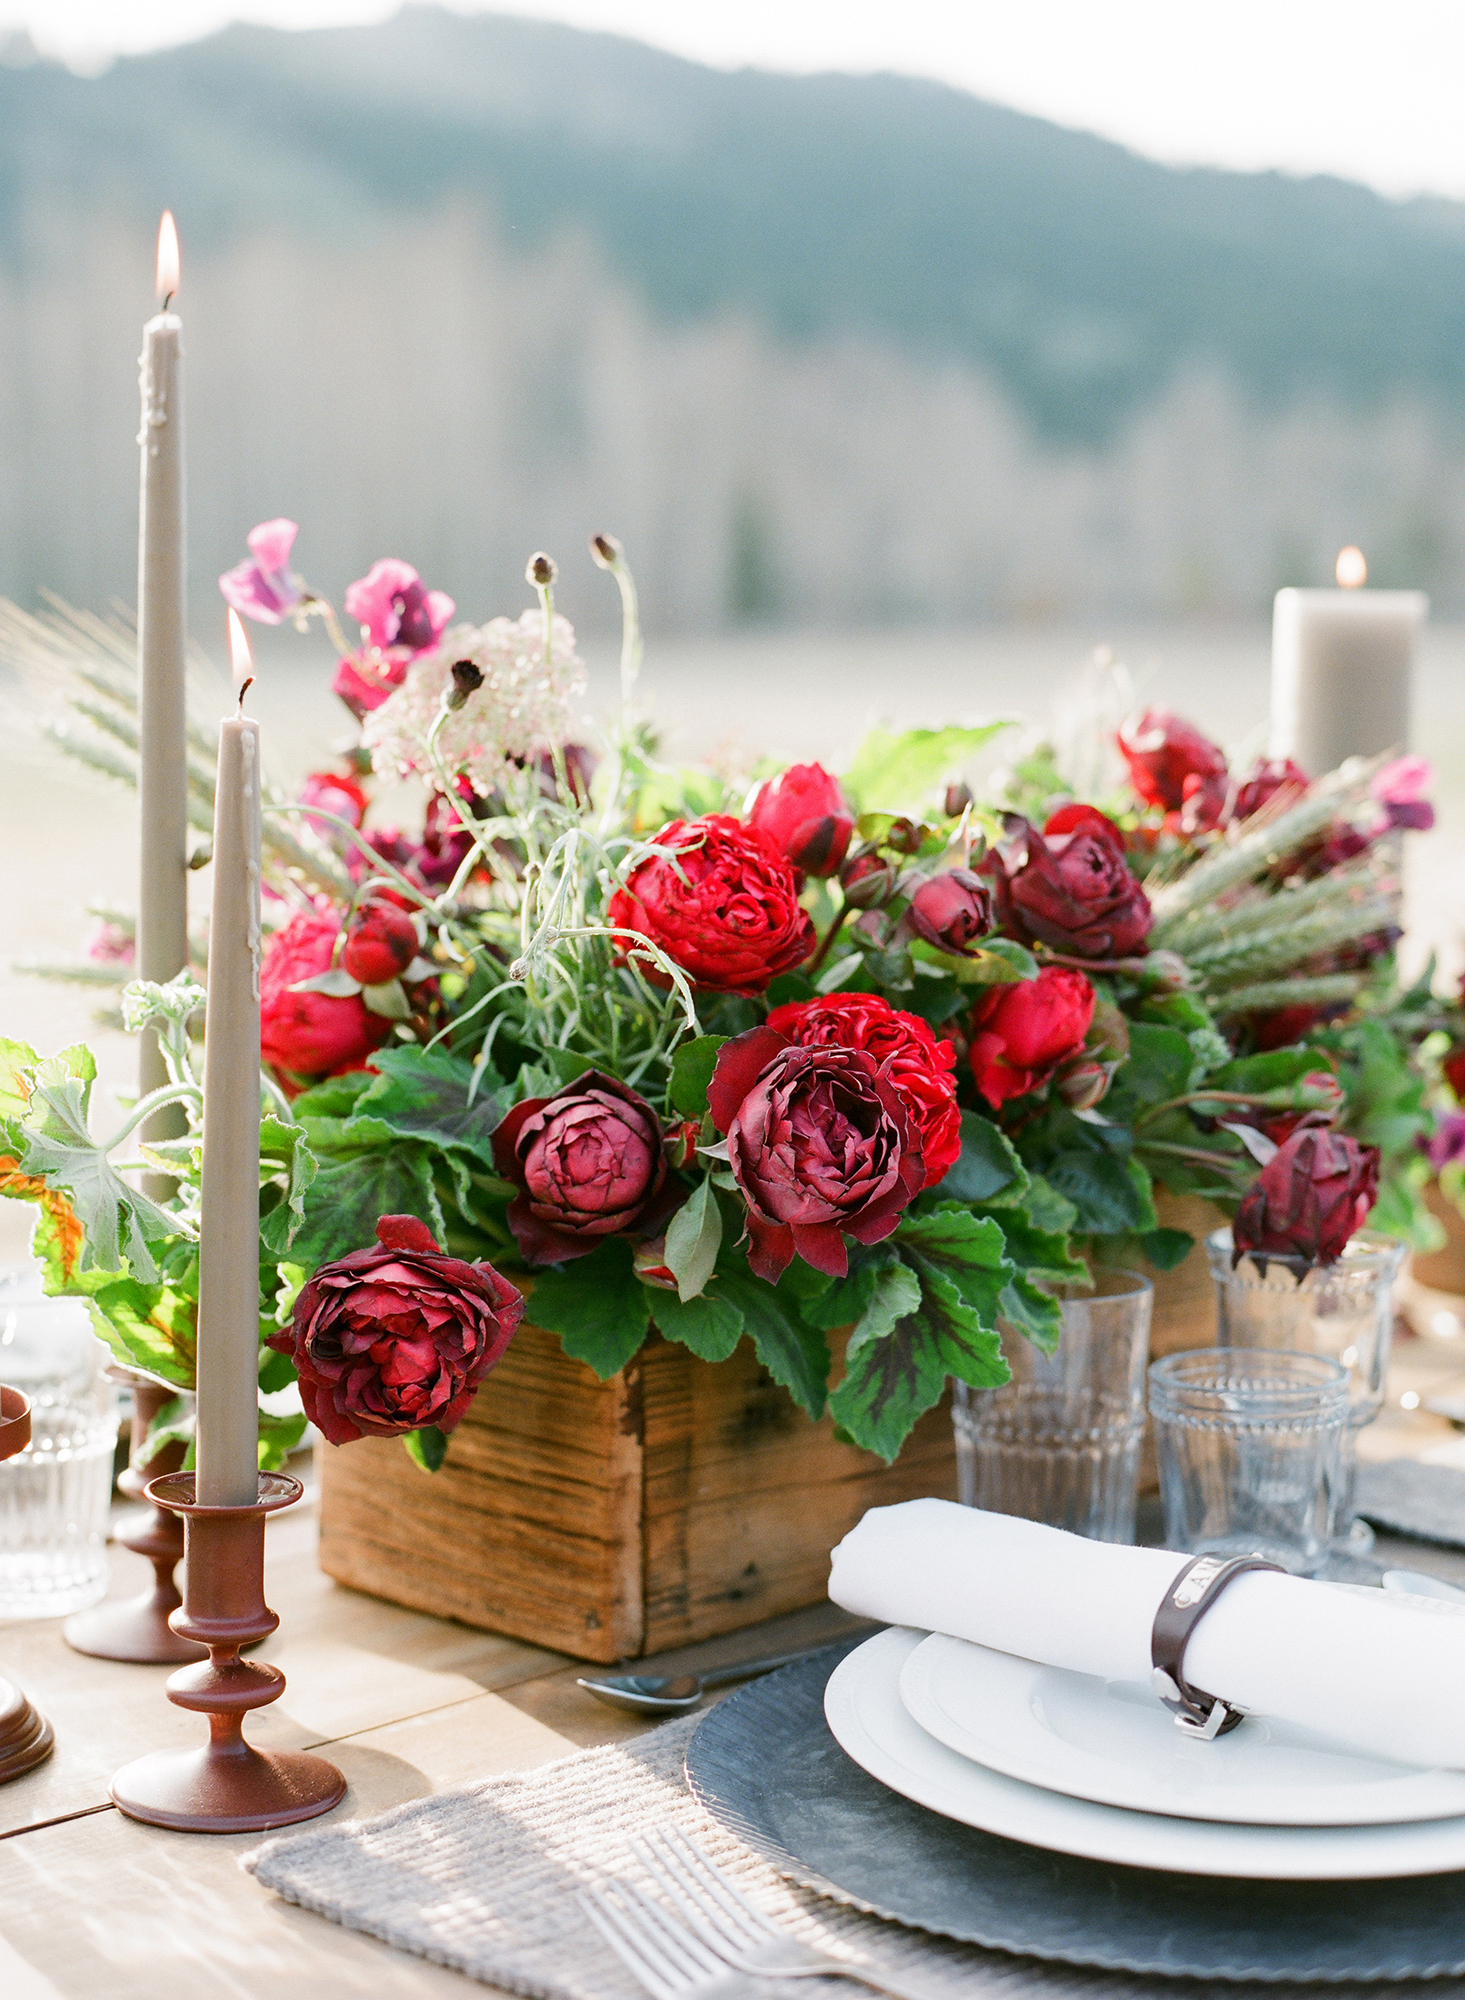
{"type": "Point", "coordinates": [764, 1763]}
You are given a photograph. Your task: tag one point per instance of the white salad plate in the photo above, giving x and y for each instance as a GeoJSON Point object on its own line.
{"type": "Point", "coordinates": [871, 1724]}
{"type": "Point", "coordinates": [1113, 1742]}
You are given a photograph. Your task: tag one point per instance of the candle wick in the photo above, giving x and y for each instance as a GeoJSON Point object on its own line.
{"type": "Point", "coordinates": [242, 693]}
{"type": "Point", "coordinates": [167, 300]}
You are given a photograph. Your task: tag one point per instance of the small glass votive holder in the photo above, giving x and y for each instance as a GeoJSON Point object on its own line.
{"type": "Point", "coordinates": [1344, 1310]}
{"type": "Point", "coordinates": [1061, 1441]}
{"type": "Point", "coordinates": [55, 1496]}
{"type": "Point", "coordinates": [1250, 1444]}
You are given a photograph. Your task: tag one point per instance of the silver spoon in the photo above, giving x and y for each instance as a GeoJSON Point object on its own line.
{"type": "Point", "coordinates": [674, 1694]}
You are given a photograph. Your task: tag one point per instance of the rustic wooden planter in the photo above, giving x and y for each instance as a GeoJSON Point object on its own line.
{"type": "Point", "coordinates": [610, 1519]}
{"type": "Point", "coordinates": [1443, 1270]}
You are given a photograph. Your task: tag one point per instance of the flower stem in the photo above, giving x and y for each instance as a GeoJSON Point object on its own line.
{"type": "Point", "coordinates": [828, 939]}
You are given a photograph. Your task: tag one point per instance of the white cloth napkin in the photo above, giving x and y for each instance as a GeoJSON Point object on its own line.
{"type": "Point", "coordinates": [1378, 1672]}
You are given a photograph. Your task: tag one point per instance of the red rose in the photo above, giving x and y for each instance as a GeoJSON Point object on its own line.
{"type": "Point", "coordinates": [333, 793]}
{"type": "Point", "coordinates": [820, 1143]}
{"type": "Point", "coordinates": [1165, 754]}
{"type": "Point", "coordinates": [952, 911]}
{"type": "Point", "coordinates": [1454, 1069]}
{"type": "Point", "coordinates": [1018, 1034]}
{"type": "Point", "coordinates": [1071, 889]}
{"type": "Point", "coordinates": [1269, 778]}
{"type": "Point", "coordinates": [396, 1336]}
{"type": "Point", "coordinates": [804, 814]}
{"type": "Point", "coordinates": [726, 911]}
{"type": "Point", "coordinates": [1314, 1192]}
{"type": "Point", "coordinates": [311, 1034]}
{"type": "Point", "coordinates": [589, 1163]}
{"type": "Point", "coordinates": [908, 1053]}
{"type": "Point", "coordinates": [381, 942]}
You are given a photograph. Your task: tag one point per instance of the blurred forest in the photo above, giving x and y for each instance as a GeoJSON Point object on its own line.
{"type": "Point", "coordinates": [822, 350]}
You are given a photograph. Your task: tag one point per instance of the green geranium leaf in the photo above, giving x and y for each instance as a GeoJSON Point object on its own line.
{"type": "Point", "coordinates": [423, 1094]}
{"type": "Point", "coordinates": [1042, 1253]}
{"type": "Point", "coordinates": [1158, 1069]}
{"type": "Point", "coordinates": [709, 1325]}
{"type": "Point", "coordinates": [350, 1194]}
{"type": "Point", "coordinates": [794, 1353]}
{"type": "Point", "coordinates": [971, 1250]}
{"type": "Point", "coordinates": [693, 1238]}
{"type": "Point", "coordinates": [894, 1293]}
{"type": "Point", "coordinates": [174, 1423]}
{"type": "Point", "coordinates": [1046, 1209]}
{"type": "Point", "coordinates": [1087, 1165]}
{"type": "Point", "coordinates": [1037, 1316]}
{"type": "Point", "coordinates": [596, 1305]}
{"type": "Point", "coordinates": [788, 986]}
{"type": "Point", "coordinates": [150, 1327]}
{"type": "Point", "coordinates": [1271, 1070]}
{"type": "Point", "coordinates": [278, 1437]}
{"type": "Point", "coordinates": [18, 1065]}
{"type": "Point", "coordinates": [287, 1168]}
{"type": "Point", "coordinates": [1166, 1248]}
{"type": "Point", "coordinates": [122, 1228]}
{"type": "Point", "coordinates": [986, 1167]}
{"type": "Point", "coordinates": [898, 773]}
{"type": "Point", "coordinates": [426, 1448]}
{"type": "Point", "coordinates": [691, 1072]}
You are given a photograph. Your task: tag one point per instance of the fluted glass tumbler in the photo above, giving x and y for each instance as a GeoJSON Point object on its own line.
{"type": "Point", "coordinates": [55, 1496]}
{"type": "Point", "coordinates": [1344, 1310]}
{"type": "Point", "coordinates": [1250, 1447]}
{"type": "Point", "coordinates": [1061, 1441]}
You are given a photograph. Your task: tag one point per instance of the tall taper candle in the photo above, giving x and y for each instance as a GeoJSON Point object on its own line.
{"type": "Point", "coordinates": [162, 637]}
{"type": "Point", "coordinates": [228, 1268]}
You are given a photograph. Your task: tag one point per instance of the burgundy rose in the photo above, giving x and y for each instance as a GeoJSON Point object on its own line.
{"type": "Point", "coordinates": [1454, 1071]}
{"type": "Point", "coordinates": [908, 1053]}
{"type": "Point", "coordinates": [1269, 778]}
{"type": "Point", "coordinates": [1018, 1034]}
{"type": "Point", "coordinates": [804, 814]}
{"type": "Point", "coordinates": [589, 1163]}
{"type": "Point", "coordinates": [1314, 1192]}
{"type": "Point", "coordinates": [868, 881]}
{"type": "Point", "coordinates": [1318, 1100]}
{"type": "Point", "coordinates": [821, 1145]}
{"type": "Point", "coordinates": [311, 1034]}
{"type": "Point", "coordinates": [381, 942]}
{"type": "Point", "coordinates": [397, 1336]}
{"type": "Point", "coordinates": [952, 911]}
{"type": "Point", "coordinates": [1169, 761]}
{"type": "Point", "coordinates": [1070, 888]}
{"type": "Point", "coordinates": [726, 910]}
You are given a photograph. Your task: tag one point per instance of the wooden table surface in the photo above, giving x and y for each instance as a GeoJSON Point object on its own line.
{"type": "Point", "coordinates": [93, 1904]}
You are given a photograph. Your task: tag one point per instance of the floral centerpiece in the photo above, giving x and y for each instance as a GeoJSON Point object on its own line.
{"type": "Point", "coordinates": [728, 1054]}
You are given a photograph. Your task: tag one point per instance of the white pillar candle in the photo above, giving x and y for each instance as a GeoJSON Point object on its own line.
{"type": "Point", "coordinates": [162, 638]}
{"type": "Point", "coordinates": [228, 1274]}
{"type": "Point", "coordinates": [1343, 669]}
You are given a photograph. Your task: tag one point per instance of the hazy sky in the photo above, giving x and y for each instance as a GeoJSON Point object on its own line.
{"type": "Point", "coordinates": [1371, 89]}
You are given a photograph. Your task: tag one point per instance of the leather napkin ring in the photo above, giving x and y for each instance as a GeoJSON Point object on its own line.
{"type": "Point", "coordinates": [1183, 1606]}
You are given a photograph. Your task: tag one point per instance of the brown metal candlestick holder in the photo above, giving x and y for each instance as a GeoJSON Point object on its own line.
{"type": "Point", "coordinates": [26, 1738]}
{"type": "Point", "coordinates": [229, 1787]}
{"type": "Point", "coordinates": [137, 1629]}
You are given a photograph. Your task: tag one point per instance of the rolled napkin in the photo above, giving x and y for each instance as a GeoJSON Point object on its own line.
{"type": "Point", "coordinates": [1376, 1672]}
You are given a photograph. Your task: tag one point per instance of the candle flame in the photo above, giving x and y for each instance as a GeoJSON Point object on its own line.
{"type": "Point", "coordinates": [167, 257]}
{"type": "Point", "coordinates": [1352, 570]}
{"type": "Point", "coordinates": [239, 654]}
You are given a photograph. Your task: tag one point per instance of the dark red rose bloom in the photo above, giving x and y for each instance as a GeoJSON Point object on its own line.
{"type": "Point", "coordinates": [804, 814]}
{"type": "Point", "coordinates": [1278, 1030]}
{"type": "Point", "coordinates": [907, 1051]}
{"type": "Point", "coordinates": [1315, 1191]}
{"type": "Point", "coordinates": [1071, 889]}
{"type": "Point", "coordinates": [1454, 1069]}
{"type": "Point", "coordinates": [1269, 778]}
{"type": "Point", "coordinates": [311, 1034]}
{"type": "Point", "coordinates": [733, 924]}
{"type": "Point", "coordinates": [381, 942]}
{"type": "Point", "coordinates": [1019, 1033]}
{"type": "Point", "coordinates": [396, 1336]}
{"type": "Point", "coordinates": [952, 911]}
{"type": "Point", "coordinates": [1163, 752]}
{"type": "Point", "coordinates": [821, 1145]}
{"type": "Point", "coordinates": [589, 1163]}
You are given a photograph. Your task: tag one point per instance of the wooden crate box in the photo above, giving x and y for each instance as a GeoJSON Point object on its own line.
{"type": "Point", "coordinates": [609, 1519]}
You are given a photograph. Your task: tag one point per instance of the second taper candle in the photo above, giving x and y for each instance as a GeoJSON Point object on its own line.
{"type": "Point", "coordinates": [228, 1271]}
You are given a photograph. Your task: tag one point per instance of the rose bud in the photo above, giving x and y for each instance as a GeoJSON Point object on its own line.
{"type": "Point", "coordinates": [381, 942]}
{"type": "Point", "coordinates": [1166, 972]}
{"type": "Point", "coordinates": [952, 911]}
{"type": "Point", "coordinates": [681, 1142]}
{"type": "Point", "coordinates": [821, 1146]}
{"type": "Point", "coordinates": [588, 1163]}
{"type": "Point", "coordinates": [1162, 751]}
{"type": "Point", "coordinates": [1069, 887]}
{"type": "Point", "coordinates": [1316, 1102]}
{"type": "Point", "coordinates": [804, 814]}
{"type": "Point", "coordinates": [1269, 778]}
{"type": "Point", "coordinates": [397, 1336]}
{"type": "Point", "coordinates": [467, 679]}
{"type": "Point", "coordinates": [958, 798]}
{"type": "Point", "coordinates": [1019, 1033]}
{"type": "Point", "coordinates": [1108, 1037]}
{"type": "Point", "coordinates": [904, 837]}
{"type": "Point", "coordinates": [648, 1261]}
{"type": "Point", "coordinates": [867, 882]}
{"type": "Point", "coordinates": [311, 1034]}
{"type": "Point", "coordinates": [1314, 1192]}
{"type": "Point", "coordinates": [1082, 1084]}
{"type": "Point", "coordinates": [541, 570]}
{"type": "Point", "coordinates": [726, 910]}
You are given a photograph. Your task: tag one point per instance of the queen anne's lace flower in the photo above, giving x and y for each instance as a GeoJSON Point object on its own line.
{"type": "Point", "coordinates": [523, 704]}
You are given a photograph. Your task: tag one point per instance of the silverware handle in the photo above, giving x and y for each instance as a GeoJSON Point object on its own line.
{"type": "Point", "coordinates": [836, 1968]}
{"type": "Point", "coordinates": [746, 1670]}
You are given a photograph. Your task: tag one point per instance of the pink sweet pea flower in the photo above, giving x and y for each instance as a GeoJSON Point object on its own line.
{"type": "Point", "coordinates": [264, 588]}
{"type": "Point", "coordinates": [365, 679]}
{"type": "Point", "coordinates": [1400, 788]}
{"type": "Point", "coordinates": [395, 610]}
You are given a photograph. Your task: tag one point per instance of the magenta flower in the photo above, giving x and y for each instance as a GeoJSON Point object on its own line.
{"type": "Point", "coordinates": [394, 608]}
{"type": "Point", "coordinates": [1400, 788]}
{"type": "Point", "coordinates": [264, 588]}
{"type": "Point", "coordinates": [1446, 1144]}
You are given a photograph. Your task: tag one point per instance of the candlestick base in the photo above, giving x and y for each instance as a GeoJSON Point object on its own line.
{"type": "Point", "coordinates": [229, 1787]}
{"type": "Point", "coordinates": [26, 1738]}
{"type": "Point", "coordinates": [137, 1629]}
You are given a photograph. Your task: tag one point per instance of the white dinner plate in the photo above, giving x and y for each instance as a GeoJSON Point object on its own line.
{"type": "Point", "coordinates": [870, 1723]}
{"type": "Point", "coordinates": [1113, 1742]}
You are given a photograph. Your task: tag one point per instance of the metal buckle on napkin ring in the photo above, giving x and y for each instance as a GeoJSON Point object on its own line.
{"type": "Point", "coordinates": [1183, 1606]}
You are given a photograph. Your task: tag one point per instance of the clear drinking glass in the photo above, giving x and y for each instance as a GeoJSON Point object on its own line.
{"type": "Point", "coordinates": [1060, 1442]}
{"type": "Point", "coordinates": [55, 1496]}
{"type": "Point", "coordinates": [1250, 1445]}
{"type": "Point", "coordinates": [1344, 1310]}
